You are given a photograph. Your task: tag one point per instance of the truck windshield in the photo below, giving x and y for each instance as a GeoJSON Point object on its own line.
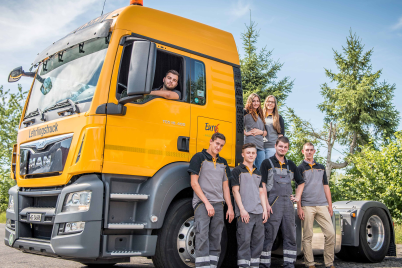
{"type": "Point", "coordinates": [72, 74]}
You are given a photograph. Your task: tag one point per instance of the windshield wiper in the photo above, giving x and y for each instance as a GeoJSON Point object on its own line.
{"type": "Point", "coordinates": [74, 108]}
{"type": "Point", "coordinates": [35, 113]}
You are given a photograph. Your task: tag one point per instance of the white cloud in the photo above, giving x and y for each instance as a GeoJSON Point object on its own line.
{"type": "Point", "coordinates": [239, 9]}
{"type": "Point", "coordinates": [24, 24]}
{"type": "Point", "coordinates": [398, 25]}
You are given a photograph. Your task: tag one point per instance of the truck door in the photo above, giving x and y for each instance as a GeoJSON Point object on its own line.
{"type": "Point", "coordinates": [212, 105]}
{"type": "Point", "coordinates": [154, 131]}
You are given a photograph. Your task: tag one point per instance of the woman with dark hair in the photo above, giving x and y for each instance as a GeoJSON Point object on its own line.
{"type": "Point", "coordinates": [254, 129]}
{"type": "Point", "coordinates": [274, 125]}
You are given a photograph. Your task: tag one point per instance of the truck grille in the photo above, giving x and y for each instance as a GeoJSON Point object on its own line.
{"type": "Point", "coordinates": [37, 201]}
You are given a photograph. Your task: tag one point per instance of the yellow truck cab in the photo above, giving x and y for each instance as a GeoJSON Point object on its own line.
{"type": "Point", "coordinates": [101, 166]}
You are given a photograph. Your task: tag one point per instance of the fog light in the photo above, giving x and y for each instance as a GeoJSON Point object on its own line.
{"type": "Point", "coordinates": [10, 224]}
{"type": "Point", "coordinates": [74, 227]}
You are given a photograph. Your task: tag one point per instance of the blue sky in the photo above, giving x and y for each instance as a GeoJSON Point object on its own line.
{"type": "Point", "coordinates": [302, 34]}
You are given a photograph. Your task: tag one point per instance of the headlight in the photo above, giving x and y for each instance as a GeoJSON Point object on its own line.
{"type": "Point", "coordinates": [11, 203]}
{"type": "Point", "coordinates": [78, 201]}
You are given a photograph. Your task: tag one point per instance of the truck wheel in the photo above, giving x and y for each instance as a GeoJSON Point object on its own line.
{"type": "Point", "coordinates": [374, 238]}
{"type": "Point", "coordinates": [175, 247]}
{"type": "Point", "coordinates": [374, 235]}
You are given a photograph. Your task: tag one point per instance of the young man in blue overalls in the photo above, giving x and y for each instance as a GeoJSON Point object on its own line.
{"type": "Point", "coordinates": [278, 172]}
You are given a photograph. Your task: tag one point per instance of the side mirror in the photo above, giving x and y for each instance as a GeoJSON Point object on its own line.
{"type": "Point", "coordinates": [16, 74]}
{"type": "Point", "coordinates": [142, 70]}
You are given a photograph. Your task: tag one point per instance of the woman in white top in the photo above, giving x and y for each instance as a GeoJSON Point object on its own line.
{"type": "Point", "coordinates": [274, 125]}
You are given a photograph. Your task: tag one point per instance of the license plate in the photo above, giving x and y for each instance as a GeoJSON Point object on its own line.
{"type": "Point", "coordinates": [35, 217]}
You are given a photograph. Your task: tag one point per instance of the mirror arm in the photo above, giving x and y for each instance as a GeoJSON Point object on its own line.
{"type": "Point", "coordinates": [128, 99]}
{"type": "Point", "coordinates": [28, 74]}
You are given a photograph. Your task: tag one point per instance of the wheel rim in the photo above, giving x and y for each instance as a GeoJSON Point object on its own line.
{"type": "Point", "coordinates": [186, 242]}
{"type": "Point", "coordinates": [375, 233]}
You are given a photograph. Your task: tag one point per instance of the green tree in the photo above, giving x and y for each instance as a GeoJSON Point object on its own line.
{"type": "Point", "coordinates": [10, 114]}
{"type": "Point", "coordinates": [376, 174]}
{"type": "Point", "coordinates": [259, 71]}
{"type": "Point", "coordinates": [357, 106]}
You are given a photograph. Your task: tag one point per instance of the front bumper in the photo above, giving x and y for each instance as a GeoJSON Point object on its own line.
{"type": "Point", "coordinates": [44, 237]}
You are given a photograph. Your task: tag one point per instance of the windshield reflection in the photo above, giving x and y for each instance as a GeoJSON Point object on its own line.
{"type": "Point", "coordinates": [74, 77]}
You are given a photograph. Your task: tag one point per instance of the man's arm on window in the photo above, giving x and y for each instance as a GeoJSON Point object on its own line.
{"type": "Point", "coordinates": [170, 95]}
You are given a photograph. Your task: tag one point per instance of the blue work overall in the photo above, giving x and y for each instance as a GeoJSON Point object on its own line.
{"type": "Point", "coordinates": [283, 217]}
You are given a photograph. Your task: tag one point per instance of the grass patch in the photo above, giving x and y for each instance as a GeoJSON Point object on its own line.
{"type": "Point", "coordinates": [3, 217]}
{"type": "Point", "coordinates": [398, 233]}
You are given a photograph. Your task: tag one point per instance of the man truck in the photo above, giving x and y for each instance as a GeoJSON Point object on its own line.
{"type": "Point", "coordinates": [101, 168]}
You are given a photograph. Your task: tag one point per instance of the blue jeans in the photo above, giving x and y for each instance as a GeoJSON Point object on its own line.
{"type": "Point", "coordinates": [269, 152]}
{"type": "Point", "coordinates": [259, 159]}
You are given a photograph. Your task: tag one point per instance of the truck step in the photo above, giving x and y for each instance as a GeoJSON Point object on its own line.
{"type": "Point", "coordinates": [125, 253]}
{"type": "Point", "coordinates": [126, 226]}
{"type": "Point", "coordinates": [128, 197]}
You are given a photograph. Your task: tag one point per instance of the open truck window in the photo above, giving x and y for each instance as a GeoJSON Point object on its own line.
{"type": "Point", "coordinates": [165, 61]}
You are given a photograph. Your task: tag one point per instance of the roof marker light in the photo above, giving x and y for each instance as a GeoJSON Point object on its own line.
{"type": "Point", "coordinates": [136, 2]}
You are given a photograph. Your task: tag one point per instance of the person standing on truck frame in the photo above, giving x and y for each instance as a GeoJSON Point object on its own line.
{"type": "Point", "coordinates": [167, 90]}
{"type": "Point", "coordinates": [274, 125]}
{"type": "Point", "coordinates": [278, 173]}
{"type": "Point", "coordinates": [250, 207]}
{"type": "Point", "coordinates": [254, 128]}
{"type": "Point", "coordinates": [210, 176]}
{"type": "Point", "coordinates": [315, 204]}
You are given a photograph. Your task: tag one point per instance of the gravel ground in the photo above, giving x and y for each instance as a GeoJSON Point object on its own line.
{"type": "Point", "coordinates": [10, 257]}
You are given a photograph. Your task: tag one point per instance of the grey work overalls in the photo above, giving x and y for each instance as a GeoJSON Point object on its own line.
{"type": "Point", "coordinates": [284, 217]}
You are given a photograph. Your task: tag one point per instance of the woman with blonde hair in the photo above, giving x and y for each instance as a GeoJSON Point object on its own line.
{"type": "Point", "coordinates": [274, 125]}
{"type": "Point", "coordinates": [254, 129]}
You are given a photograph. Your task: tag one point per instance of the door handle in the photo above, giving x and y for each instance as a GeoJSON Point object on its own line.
{"type": "Point", "coordinates": [183, 144]}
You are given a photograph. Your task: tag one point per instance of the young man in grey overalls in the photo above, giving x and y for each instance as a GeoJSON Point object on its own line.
{"type": "Point", "coordinates": [278, 172]}
{"type": "Point", "coordinates": [209, 180]}
{"type": "Point", "coordinates": [250, 208]}
{"type": "Point", "coordinates": [315, 204]}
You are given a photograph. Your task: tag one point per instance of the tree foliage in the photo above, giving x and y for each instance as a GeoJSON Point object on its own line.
{"type": "Point", "coordinates": [10, 114]}
{"type": "Point", "coordinates": [376, 174]}
{"type": "Point", "coordinates": [259, 70]}
{"type": "Point", "coordinates": [357, 108]}
{"type": "Point", "coordinates": [360, 104]}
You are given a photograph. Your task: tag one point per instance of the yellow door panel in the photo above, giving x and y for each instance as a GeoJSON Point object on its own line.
{"type": "Point", "coordinates": [208, 126]}
{"type": "Point", "coordinates": [145, 139]}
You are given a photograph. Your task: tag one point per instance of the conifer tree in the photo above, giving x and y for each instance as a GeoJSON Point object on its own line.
{"type": "Point", "coordinates": [259, 70]}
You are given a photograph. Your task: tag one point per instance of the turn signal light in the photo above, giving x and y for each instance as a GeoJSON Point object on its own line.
{"type": "Point", "coordinates": [136, 2]}
{"type": "Point", "coordinates": [354, 215]}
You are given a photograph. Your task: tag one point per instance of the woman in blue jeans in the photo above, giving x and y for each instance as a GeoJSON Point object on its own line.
{"type": "Point", "coordinates": [274, 125]}
{"type": "Point", "coordinates": [254, 128]}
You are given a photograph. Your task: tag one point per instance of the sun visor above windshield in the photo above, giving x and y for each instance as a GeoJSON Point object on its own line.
{"type": "Point", "coordinates": [97, 30]}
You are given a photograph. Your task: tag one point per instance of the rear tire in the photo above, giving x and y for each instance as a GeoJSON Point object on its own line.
{"type": "Point", "coordinates": [175, 238]}
{"type": "Point", "coordinates": [374, 238]}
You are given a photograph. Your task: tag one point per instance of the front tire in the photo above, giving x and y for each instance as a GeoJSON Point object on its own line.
{"type": "Point", "coordinates": [175, 247]}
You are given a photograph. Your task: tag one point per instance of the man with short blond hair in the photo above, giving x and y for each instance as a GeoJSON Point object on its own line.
{"type": "Point", "coordinates": [315, 204]}
{"type": "Point", "coordinates": [250, 207]}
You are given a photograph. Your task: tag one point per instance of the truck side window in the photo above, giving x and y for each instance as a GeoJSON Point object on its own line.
{"type": "Point", "coordinates": [198, 87]}
{"type": "Point", "coordinates": [165, 61]}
